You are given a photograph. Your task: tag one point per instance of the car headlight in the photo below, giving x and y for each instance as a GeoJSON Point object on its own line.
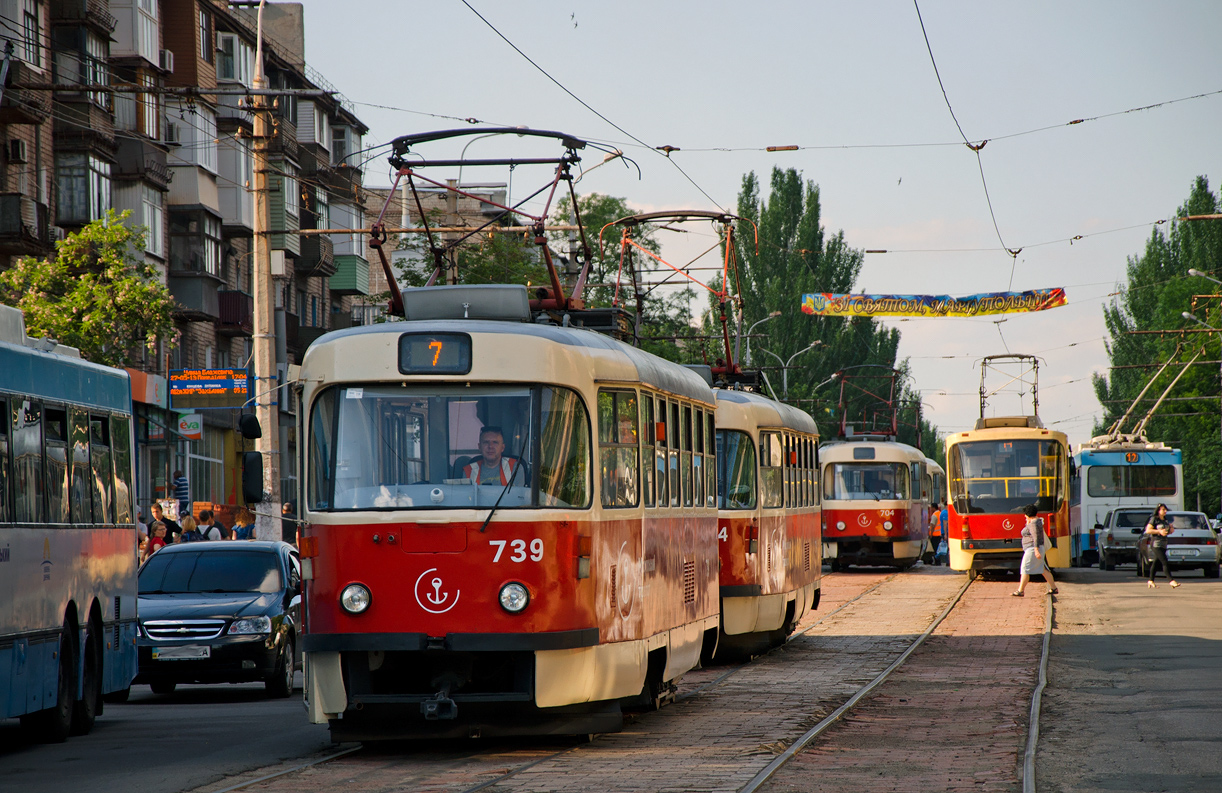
{"type": "Point", "coordinates": [251, 625]}
{"type": "Point", "coordinates": [840, 525]}
{"type": "Point", "coordinates": [355, 598]}
{"type": "Point", "coordinates": [514, 597]}
{"type": "Point", "coordinates": [886, 525]}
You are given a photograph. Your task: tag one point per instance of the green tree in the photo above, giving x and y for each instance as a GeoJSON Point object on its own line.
{"type": "Point", "coordinates": [95, 293]}
{"type": "Point", "coordinates": [795, 256]}
{"type": "Point", "coordinates": [1158, 289]}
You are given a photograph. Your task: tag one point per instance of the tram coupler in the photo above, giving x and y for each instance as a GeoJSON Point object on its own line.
{"type": "Point", "coordinates": [440, 707]}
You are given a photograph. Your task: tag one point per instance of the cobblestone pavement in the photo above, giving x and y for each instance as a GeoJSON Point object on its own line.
{"type": "Point", "coordinates": [714, 740]}
{"type": "Point", "coordinates": [953, 718]}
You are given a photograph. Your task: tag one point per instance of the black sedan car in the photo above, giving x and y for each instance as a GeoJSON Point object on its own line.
{"type": "Point", "coordinates": [220, 612]}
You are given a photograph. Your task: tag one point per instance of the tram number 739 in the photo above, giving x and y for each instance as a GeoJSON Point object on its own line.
{"type": "Point", "coordinates": [517, 550]}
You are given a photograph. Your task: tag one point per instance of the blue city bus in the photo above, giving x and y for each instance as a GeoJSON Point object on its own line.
{"type": "Point", "coordinates": [68, 540]}
{"type": "Point", "coordinates": [1119, 472]}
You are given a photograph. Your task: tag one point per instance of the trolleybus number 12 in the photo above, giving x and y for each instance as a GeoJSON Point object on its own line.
{"type": "Point", "coordinates": [517, 550]}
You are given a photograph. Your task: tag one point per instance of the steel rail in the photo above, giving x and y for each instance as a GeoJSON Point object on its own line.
{"type": "Point", "coordinates": [814, 732]}
{"type": "Point", "coordinates": [1033, 719]}
{"type": "Point", "coordinates": [287, 771]}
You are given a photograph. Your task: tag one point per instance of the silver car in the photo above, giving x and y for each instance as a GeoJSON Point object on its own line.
{"type": "Point", "coordinates": [1118, 535]}
{"type": "Point", "coordinates": [1193, 543]}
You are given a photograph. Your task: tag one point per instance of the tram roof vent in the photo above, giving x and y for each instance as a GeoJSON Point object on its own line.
{"type": "Point", "coordinates": [505, 302]}
{"type": "Point", "coordinates": [1009, 421]}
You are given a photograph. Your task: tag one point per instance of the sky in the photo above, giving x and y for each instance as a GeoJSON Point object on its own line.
{"type": "Point", "coordinates": [855, 86]}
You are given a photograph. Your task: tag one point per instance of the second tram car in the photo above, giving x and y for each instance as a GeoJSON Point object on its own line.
{"type": "Point", "coordinates": [510, 528]}
{"type": "Point", "coordinates": [875, 503]}
{"type": "Point", "coordinates": [996, 469]}
{"type": "Point", "coordinates": [768, 519]}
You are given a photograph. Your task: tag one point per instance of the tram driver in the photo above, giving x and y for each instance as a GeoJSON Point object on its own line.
{"type": "Point", "coordinates": [492, 467]}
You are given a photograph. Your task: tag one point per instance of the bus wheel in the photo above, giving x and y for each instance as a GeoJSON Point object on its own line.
{"type": "Point", "coordinates": [89, 706]}
{"type": "Point", "coordinates": [53, 724]}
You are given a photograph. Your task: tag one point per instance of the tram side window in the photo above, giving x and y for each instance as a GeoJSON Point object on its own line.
{"type": "Point", "coordinates": [100, 459]}
{"type": "Point", "coordinates": [79, 489]}
{"type": "Point", "coordinates": [735, 470]}
{"type": "Point", "coordinates": [685, 453]}
{"type": "Point", "coordinates": [660, 465]}
{"type": "Point", "coordinates": [28, 481]}
{"type": "Point", "coordinates": [6, 501]}
{"type": "Point", "coordinates": [618, 448]}
{"type": "Point", "coordinates": [648, 438]}
{"type": "Point", "coordinates": [120, 440]}
{"type": "Point", "coordinates": [58, 510]}
{"type": "Point", "coordinates": [772, 490]}
{"type": "Point", "coordinates": [698, 457]}
{"type": "Point", "coordinates": [564, 478]}
{"type": "Point", "coordinates": [710, 461]}
{"type": "Point", "coordinates": [672, 441]}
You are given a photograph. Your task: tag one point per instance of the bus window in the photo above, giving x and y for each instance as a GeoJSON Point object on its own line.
{"type": "Point", "coordinates": [79, 489]}
{"type": "Point", "coordinates": [57, 466]}
{"type": "Point", "coordinates": [28, 481]}
{"type": "Point", "coordinates": [121, 443]}
{"type": "Point", "coordinates": [648, 435]}
{"type": "Point", "coordinates": [6, 502]}
{"type": "Point", "coordinates": [772, 483]}
{"type": "Point", "coordinates": [101, 470]}
{"type": "Point", "coordinates": [618, 447]}
{"type": "Point", "coordinates": [1141, 481]}
{"type": "Point", "coordinates": [736, 470]}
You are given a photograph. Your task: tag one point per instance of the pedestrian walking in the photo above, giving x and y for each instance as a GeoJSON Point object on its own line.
{"type": "Point", "coordinates": [190, 531]}
{"type": "Point", "coordinates": [1033, 553]}
{"type": "Point", "coordinates": [1159, 528]}
{"type": "Point", "coordinates": [210, 529]}
{"type": "Point", "coordinates": [244, 524]}
{"type": "Point", "coordinates": [182, 492]}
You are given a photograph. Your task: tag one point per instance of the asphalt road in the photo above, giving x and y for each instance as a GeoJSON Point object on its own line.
{"type": "Point", "coordinates": [1134, 686]}
{"type": "Point", "coordinates": [162, 744]}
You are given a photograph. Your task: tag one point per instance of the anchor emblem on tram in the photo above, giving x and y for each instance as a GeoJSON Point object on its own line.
{"type": "Point", "coordinates": [436, 600]}
{"type": "Point", "coordinates": [863, 519]}
{"type": "Point", "coordinates": [1007, 525]}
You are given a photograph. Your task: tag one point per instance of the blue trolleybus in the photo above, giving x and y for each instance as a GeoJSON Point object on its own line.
{"type": "Point", "coordinates": [1120, 471]}
{"type": "Point", "coordinates": [67, 535]}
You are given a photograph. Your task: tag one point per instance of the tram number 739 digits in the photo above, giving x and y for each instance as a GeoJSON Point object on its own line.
{"type": "Point", "coordinates": [517, 550]}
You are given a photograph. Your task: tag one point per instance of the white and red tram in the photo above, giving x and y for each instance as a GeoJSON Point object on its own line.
{"type": "Point", "coordinates": [438, 604]}
{"type": "Point", "coordinates": [875, 503]}
{"type": "Point", "coordinates": [768, 519]}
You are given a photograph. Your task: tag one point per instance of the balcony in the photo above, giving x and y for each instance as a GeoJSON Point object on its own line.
{"type": "Point", "coordinates": [351, 275]}
{"type": "Point", "coordinates": [284, 140]}
{"type": "Point", "coordinates": [237, 312]}
{"type": "Point", "coordinates": [317, 257]}
{"type": "Point", "coordinates": [287, 326]}
{"type": "Point", "coordinates": [144, 160]}
{"type": "Point", "coordinates": [24, 226]}
{"type": "Point", "coordinates": [21, 106]}
{"type": "Point", "coordinates": [92, 12]}
{"type": "Point", "coordinates": [231, 115]}
{"type": "Point", "coordinates": [197, 297]}
{"type": "Point", "coordinates": [307, 336]}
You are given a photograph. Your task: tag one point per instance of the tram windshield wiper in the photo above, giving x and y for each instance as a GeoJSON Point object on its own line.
{"type": "Point", "coordinates": [513, 475]}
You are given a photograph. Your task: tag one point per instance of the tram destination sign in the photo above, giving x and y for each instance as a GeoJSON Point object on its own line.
{"type": "Point", "coordinates": [201, 389]}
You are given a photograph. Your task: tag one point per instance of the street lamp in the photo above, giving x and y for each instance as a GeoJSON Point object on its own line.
{"type": "Point", "coordinates": [773, 315]}
{"type": "Point", "coordinates": [1200, 274]}
{"type": "Point", "coordinates": [785, 365]}
{"type": "Point", "coordinates": [1190, 316]}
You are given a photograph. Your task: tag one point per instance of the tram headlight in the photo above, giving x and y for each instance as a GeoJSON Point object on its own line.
{"type": "Point", "coordinates": [840, 525]}
{"type": "Point", "coordinates": [355, 598]}
{"type": "Point", "coordinates": [514, 597]}
{"type": "Point", "coordinates": [886, 525]}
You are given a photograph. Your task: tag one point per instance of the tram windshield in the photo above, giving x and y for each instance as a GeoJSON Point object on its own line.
{"type": "Point", "coordinates": [735, 470]}
{"type": "Point", "coordinates": [1005, 476]}
{"type": "Point", "coordinates": [863, 481]}
{"type": "Point", "coordinates": [448, 447]}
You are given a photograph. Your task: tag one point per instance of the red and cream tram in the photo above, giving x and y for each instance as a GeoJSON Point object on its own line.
{"type": "Point", "coordinates": [875, 503]}
{"type": "Point", "coordinates": [510, 527]}
{"type": "Point", "coordinates": [768, 519]}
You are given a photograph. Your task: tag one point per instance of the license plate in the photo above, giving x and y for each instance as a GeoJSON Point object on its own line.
{"type": "Point", "coordinates": [186, 652]}
{"type": "Point", "coordinates": [1182, 552]}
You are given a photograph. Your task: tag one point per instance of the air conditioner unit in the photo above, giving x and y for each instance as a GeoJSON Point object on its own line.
{"type": "Point", "coordinates": [167, 60]}
{"type": "Point", "coordinates": [172, 133]}
{"type": "Point", "coordinates": [57, 234]}
{"type": "Point", "coordinates": [16, 151]}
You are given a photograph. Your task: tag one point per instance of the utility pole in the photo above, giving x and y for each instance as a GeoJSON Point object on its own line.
{"type": "Point", "coordinates": [266, 395]}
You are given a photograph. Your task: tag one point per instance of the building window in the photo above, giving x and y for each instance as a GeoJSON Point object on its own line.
{"type": "Point", "coordinates": [288, 182]}
{"type": "Point", "coordinates": [30, 36]}
{"type": "Point", "coordinates": [339, 145]}
{"type": "Point", "coordinates": [235, 59]}
{"type": "Point", "coordinates": [154, 219]}
{"type": "Point", "coordinates": [150, 123]}
{"type": "Point", "coordinates": [94, 70]}
{"type": "Point", "coordinates": [206, 459]}
{"type": "Point", "coordinates": [83, 184]}
{"type": "Point", "coordinates": [147, 40]}
{"type": "Point", "coordinates": [195, 242]}
{"type": "Point", "coordinates": [206, 45]}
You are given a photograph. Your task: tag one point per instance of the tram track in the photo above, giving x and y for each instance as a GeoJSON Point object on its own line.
{"type": "Point", "coordinates": [499, 754]}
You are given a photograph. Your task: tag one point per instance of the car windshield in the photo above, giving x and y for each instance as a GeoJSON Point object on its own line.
{"type": "Point", "coordinates": [202, 571]}
{"type": "Point", "coordinates": [1188, 520]}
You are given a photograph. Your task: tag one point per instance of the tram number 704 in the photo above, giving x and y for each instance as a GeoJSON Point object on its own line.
{"type": "Point", "coordinates": [517, 550]}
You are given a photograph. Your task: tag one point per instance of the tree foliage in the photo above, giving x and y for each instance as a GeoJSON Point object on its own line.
{"type": "Point", "coordinates": [1158, 290]}
{"type": "Point", "coordinates": [795, 256]}
{"type": "Point", "coordinates": [95, 293]}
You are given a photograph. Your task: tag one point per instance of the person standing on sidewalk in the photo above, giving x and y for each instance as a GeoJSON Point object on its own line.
{"type": "Point", "coordinates": [1033, 556]}
{"type": "Point", "coordinates": [182, 492]}
{"type": "Point", "coordinates": [1158, 527]}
